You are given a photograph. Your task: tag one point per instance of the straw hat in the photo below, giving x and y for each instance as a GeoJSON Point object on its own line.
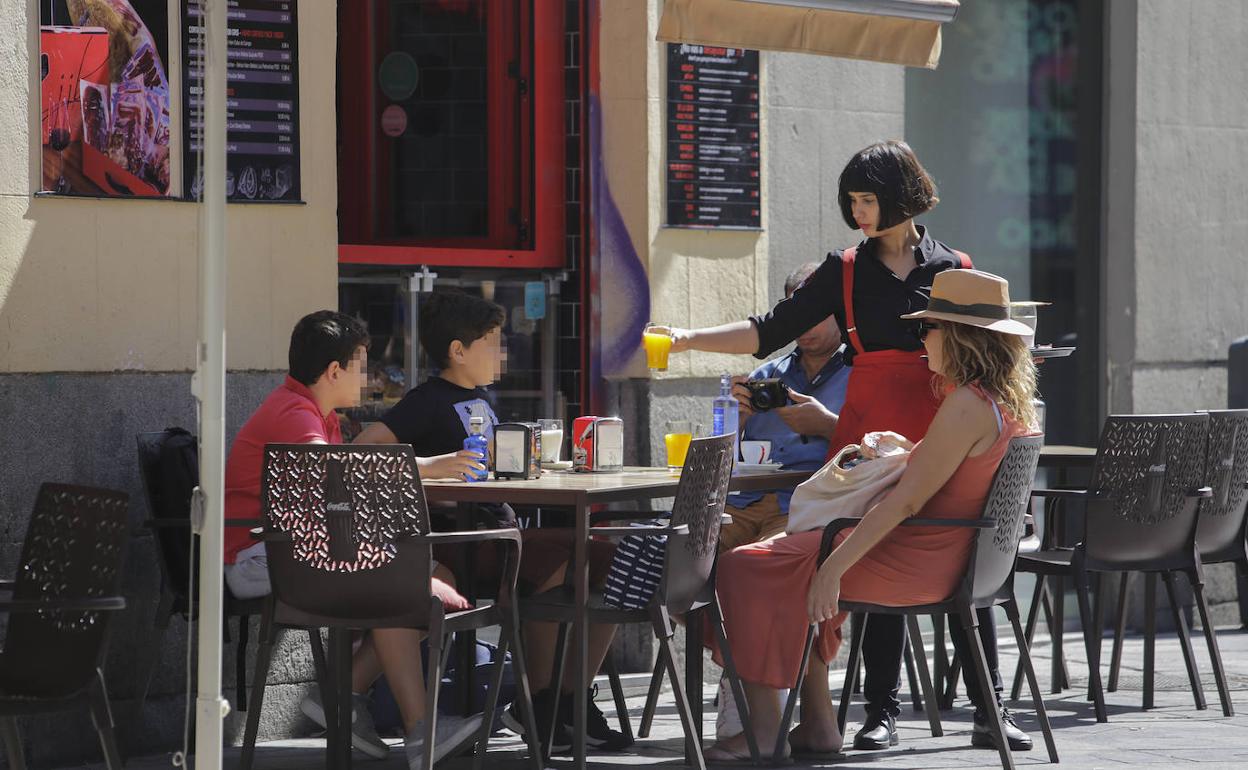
{"type": "Point", "coordinates": [972, 297]}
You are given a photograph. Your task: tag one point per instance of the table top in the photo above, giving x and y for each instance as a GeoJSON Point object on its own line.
{"type": "Point", "coordinates": [568, 488]}
{"type": "Point", "coordinates": [1061, 455]}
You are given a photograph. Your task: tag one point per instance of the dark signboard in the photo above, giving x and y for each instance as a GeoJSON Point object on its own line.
{"type": "Point", "coordinates": [712, 137]}
{"type": "Point", "coordinates": [262, 144]}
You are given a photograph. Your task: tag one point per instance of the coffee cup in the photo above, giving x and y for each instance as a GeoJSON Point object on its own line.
{"type": "Point", "coordinates": [756, 452]}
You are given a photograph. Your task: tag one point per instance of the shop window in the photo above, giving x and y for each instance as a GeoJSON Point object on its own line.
{"type": "Point", "coordinates": [446, 110]}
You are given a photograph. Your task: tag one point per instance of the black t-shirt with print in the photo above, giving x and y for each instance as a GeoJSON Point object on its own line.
{"type": "Point", "coordinates": [433, 418]}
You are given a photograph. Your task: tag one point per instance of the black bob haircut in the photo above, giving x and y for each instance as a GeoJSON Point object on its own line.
{"type": "Point", "coordinates": [891, 172]}
{"type": "Point", "coordinates": [321, 338]}
{"type": "Point", "coordinates": [449, 315]}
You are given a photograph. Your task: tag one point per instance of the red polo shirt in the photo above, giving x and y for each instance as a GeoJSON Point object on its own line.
{"type": "Point", "coordinates": [288, 416]}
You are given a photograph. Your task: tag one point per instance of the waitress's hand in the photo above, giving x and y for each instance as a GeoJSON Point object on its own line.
{"type": "Point", "coordinates": [681, 339]}
{"type": "Point", "coordinates": [822, 603]}
{"type": "Point", "coordinates": [807, 417]}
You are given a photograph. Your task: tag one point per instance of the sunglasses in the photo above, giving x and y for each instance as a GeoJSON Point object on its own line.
{"type": "Point", "coordinates": [925, 327]}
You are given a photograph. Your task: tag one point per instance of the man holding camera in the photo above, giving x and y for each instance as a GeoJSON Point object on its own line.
{"type": "Point", "coordinates": [794, 412]}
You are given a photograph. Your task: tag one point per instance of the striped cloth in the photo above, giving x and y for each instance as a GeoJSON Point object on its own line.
{"type": "Point", "coordinates": [636, 569]}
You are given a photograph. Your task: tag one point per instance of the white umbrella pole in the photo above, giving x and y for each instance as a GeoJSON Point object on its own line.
{"type": "Point", "coordinates": [210, 707]}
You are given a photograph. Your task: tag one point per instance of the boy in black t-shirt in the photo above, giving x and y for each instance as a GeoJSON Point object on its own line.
{"type": "Point", "coordinates": [463, 335]}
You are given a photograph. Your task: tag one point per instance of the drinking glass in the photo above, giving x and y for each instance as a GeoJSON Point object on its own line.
{"type": "Point", "coordinates": [1026, 313]}
{"type": "Point", "coordinates": [676, 440]}
{"type": "Point", "coordinates": [552, 439]}
{"type": "Point", "coordinates": [657, 340]}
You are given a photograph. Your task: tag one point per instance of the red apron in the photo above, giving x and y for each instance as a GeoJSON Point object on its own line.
{"type": "Point", "coordinates": [888, 389]}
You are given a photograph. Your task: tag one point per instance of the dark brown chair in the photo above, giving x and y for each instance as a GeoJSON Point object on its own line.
{"type": "Point", "coordinates": [349, 548]}
{"type": "Point", "coordinates": [64, 595]}
{"type": "Point", "coordinates": [988, 582]}
{"type": "Point", "coordinates": [1220, 527]}
{"type": "Point", "coordinates": [1140, 515]}
{"type": "Point", "coordinates": [687, 584]}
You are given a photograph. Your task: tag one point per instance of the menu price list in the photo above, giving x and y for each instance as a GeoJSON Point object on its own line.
{"type": "Point", "coordinates": [713, 157]}
{"type": "Point", "coordinates": [262, 99]}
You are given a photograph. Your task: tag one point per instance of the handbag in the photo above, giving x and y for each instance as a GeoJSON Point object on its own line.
{"type": "Point", "coordinates": [845, 486]}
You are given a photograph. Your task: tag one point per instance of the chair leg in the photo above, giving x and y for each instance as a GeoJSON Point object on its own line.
{"type": "Point", "coordinates": [925, 680]}
{"type": "Point", "coordinates": [491, 700]}
{"type": "Point", "coordinates": [652, 696]}
{"type": "Point", "coordinates": [151, 657]}
{"type": "Point", "coordinates": [1024, 665]}
{"type": "Point", "coordinates": [1098, 616]}
{"type": "Point", "coordinates": [240, 662]}
{"type": "Point", "coordinates": [912, 679]}
{"type": "Point", "coordinates": [988, 695]}
{"type": "Point", "coordinates": [1033, 612]}
{"type": "Point", "coordinates": [940, 656]}
{"type": "Point", "coordinates": [1211, 639]}
{"type": "Point", "coordinates": [617, 692]}
{"type": "Point", "coordinates": [556, 681]}
{"type": "Point", "coordinates": [1057, 618]}
{"type": "Point", "coordinates": [786, 719]}
{"type": "Point", "coordinates": [433, 681]}
{"type": "Point", "coordinates": [102, 716]}
{"type": "Point", "coordinates": [1091, 644]}
{"type": "Point", "coordinates": [524, 691]}
{"type": "Point", "coordinates": [951, 683]}
{"type": "Point", "coordinates": [664, 632]}
{"type": "Point", "coordinates": [260, 677]}
{"type": "Point", "coordinates": [319, 666]}
{"type": "Point", "coordinates": [855, 658]}
{"type": "Point", "coordinates": [734, 681]}
{"type": "Point", "coordinates": [1150, 636]}
{"type": "Point", "coordinates": [338, 715]}
{"type": "Point", "coordinates": [1120, 628]}
{"type": "Point", "coordinates": [856, 620]}
{"type": "Point", "coordinates": [12, 743]}
{"type": "Point", "coordinates": [1185, 642]}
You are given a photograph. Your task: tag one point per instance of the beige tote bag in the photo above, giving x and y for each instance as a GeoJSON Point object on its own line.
{"type": "Point", "coordinates": [835, 492]}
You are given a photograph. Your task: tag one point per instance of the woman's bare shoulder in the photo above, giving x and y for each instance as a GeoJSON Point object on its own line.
{"type": "Point", "coordinates": [967, 403]}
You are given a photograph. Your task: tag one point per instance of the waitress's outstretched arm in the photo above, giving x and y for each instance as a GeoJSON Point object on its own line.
{"type": "Point", "coordinates": [736, 337]}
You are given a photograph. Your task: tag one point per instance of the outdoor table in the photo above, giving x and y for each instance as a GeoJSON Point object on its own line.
{"type": "Point", "coordinates": [1063, 459]}
{"type": "Point", "coordinates": [578, 492]}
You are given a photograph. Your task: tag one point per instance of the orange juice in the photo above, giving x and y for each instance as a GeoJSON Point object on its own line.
{"type": "Point", "coordinates": [657, 345]}
{"type": "Point", "coordinates": [677, 448]}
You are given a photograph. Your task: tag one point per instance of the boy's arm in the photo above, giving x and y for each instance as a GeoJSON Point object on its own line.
{"type": "Point", "coordinates": [455, 465]}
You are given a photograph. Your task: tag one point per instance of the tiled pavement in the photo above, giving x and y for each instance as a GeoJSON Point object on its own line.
{"type": "Point", "coordinates": [1173, 733]}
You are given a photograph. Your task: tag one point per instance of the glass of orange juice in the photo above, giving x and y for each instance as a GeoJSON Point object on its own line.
{"type": "Point", "coordinates": [657, 340]}
{"type": "Point", "coordinates": [677, 439]}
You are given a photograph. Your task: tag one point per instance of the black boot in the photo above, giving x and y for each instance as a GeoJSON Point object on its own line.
{"type": "Point", "coordinates": [878, 733]}
{"type": "Point", "coordinates": [982, 737]}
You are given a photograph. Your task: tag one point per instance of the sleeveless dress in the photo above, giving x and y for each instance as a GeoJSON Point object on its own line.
{"type": "Point", "coordinates": [763, 587]}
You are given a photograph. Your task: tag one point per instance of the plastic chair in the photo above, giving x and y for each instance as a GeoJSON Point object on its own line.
{"type": "Point", "coordinates": [988, 582]}
{"type": "Point", "coordinates": [687, 584]}
{"type": "Point", "coordinates": [63, 598]}
{"type": "Point", "coordinates": [1140, 515]}
{"type": "Point", "coordinates": [1220, 527]}
{"type": "Point", "coordinates": [349, 548]}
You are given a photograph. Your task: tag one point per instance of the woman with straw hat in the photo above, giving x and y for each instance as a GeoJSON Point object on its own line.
{"type": "Point", "coordinates": [986, 383]}
{"type": "Point", "coordinates": [868, 289]}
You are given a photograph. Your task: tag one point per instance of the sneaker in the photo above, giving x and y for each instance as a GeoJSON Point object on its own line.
{"type": "Point", "coordinates": [598, 733]}
{"type": "Point", "coordinates": [543, 701]}
{"type": "Point", "coordinates": [451, 736]}
{"type": "Point", "coordinates": [878, 733]}
{"type": "Point", "coordinates": [982, 737]}
{"type": "Point", "coordinates": [364, 735]}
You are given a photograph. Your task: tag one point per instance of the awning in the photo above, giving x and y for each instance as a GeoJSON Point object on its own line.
{"type": "Point", "coordinates": [894, 31]}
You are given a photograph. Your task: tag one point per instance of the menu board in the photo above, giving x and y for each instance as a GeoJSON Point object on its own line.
{"type": "Point", "coordinates": [712, 137]}
{"type": "Point", "coordinates": [262, 142]}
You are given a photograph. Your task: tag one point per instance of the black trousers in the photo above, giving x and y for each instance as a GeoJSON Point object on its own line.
{"type": "Point", "coordinates": [884, 644]}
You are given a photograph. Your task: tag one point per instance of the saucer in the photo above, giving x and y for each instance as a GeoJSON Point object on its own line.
{"type": "Point", "coordinates": [562, 465]}
{"type": "Point", "coordinates": [757, 467]}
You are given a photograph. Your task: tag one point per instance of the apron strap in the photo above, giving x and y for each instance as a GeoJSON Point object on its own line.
{"type": "Point", "coordinates": [847, 289]}
{"type": "Point", "coordinates": [965, 259]}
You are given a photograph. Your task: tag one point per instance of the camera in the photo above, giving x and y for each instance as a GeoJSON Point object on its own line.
{"type": "Point", "coordinates": [767, 394]}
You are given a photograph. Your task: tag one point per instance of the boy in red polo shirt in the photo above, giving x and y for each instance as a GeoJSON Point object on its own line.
{"type": "Point", "coordinates": [328, 360]}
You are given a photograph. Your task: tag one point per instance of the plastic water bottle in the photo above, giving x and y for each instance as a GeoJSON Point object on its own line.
{"type": "Point", "coordinates": [724, 414]}
{"type": "Point", "coordinates": [477, 442]}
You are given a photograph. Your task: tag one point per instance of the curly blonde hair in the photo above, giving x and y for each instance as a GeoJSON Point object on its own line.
{"type": "Point", "coordinates": [999, 363]}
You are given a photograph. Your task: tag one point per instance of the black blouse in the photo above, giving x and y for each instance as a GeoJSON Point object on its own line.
{"type": "Point", "coordinates": [880, 298]}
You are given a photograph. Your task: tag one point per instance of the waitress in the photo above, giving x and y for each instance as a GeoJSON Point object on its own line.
{"type": "Point", "coordinates": [867, 288]}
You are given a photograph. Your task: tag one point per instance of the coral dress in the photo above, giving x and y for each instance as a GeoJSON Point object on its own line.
{"type": "Point", "coordinates": [763, 586]}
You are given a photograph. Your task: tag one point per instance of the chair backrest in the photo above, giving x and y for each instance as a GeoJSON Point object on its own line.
{"type": "Point", "coordinates": [347, 510]}
{"type": "Point", "coordinates": [1139, 511]}
{"type": "Point", "coordinates": [73, 550]}
{"type": "Point", "coordinates": [169, 466]}
{"type": "Point", "coordinates": [700, 497]}
{"type": "Point", "coordinates": [1220, 525]}
{"type": "Point", "coordinates": [994, 550]}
